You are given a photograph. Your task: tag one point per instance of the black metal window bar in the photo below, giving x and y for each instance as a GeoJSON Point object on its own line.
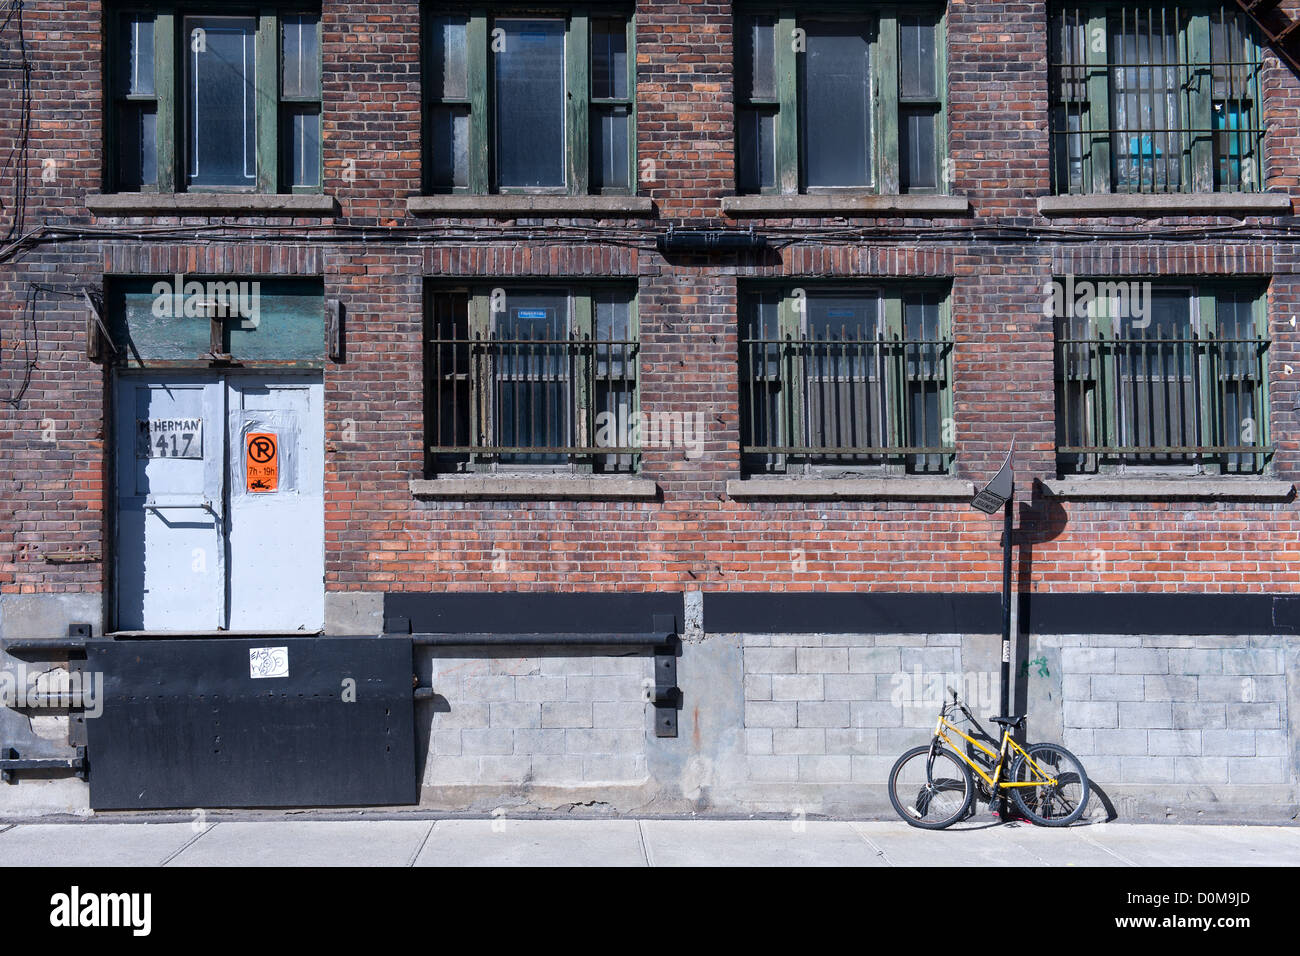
{"type": "Point", "coordinates": [1154, 98]}
{"type": "Point", "coordinates": [542, 395]}
{"type": "Point", "coordinates": [1177, 395]}
{"type": "Point", "coordinates": [817, 395]}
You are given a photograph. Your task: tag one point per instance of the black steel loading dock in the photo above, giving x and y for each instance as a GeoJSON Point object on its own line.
{"type": "Point", "coordinates": [186, 725]}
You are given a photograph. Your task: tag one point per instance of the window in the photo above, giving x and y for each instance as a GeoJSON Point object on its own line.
{"type": "Point", "coordinates": [856, 379]}
{"type": "Point", "coordinates": [537, 102]}
{"type": "Point", "coordinates": [829, 101]}
{"type": "Point", "coordinates": [1150, 98]}
{"type": "Point", "coordinates": [224, 102]}
{"type": "Point", "coordinates": [1160, 377]}
{"type": "Point", "coordinates": [531, 378]}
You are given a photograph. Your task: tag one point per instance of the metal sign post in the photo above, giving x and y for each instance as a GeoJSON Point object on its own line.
{"type": "Point", "coordinates": [1000, 493]}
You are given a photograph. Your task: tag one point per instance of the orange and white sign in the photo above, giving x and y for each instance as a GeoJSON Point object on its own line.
{"type": "Point", "coordinates": [261, 462]}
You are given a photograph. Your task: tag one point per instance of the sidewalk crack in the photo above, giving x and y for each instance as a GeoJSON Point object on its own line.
{"type": "Point", "coordinates": [871, 843]}
{"type": "Point", "coordinates": [646, 854]}
{"type": "Point", "coordinates": [1105, 849]}
{"type": "Point", "coordinates": [190, 842]}
{"type": "Point", "coordinates": [420, 849]}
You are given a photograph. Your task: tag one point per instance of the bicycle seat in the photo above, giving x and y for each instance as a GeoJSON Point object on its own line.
{"type": "Point", "coordinates": [1009, 721]}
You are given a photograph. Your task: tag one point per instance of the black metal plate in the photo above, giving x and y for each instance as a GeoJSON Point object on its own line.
{"type": "Point", "coordinates": [186, 726]}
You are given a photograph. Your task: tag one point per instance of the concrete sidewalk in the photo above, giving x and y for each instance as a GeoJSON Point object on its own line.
{"type": "Point", "coordinates": [647, 842]}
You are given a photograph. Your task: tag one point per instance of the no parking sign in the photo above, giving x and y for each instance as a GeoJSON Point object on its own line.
{"type": "Point", "coordinates": [261, 462]}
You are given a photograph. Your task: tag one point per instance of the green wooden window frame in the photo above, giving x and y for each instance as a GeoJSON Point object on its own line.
{"type": "Point", "coordinates": [477, 100]}
{"type": "Point", "coordinates": [1102, 369]}
{"type": "Point", "coordinates": [1219, 134]}
{"type": "Point", "coordinates": [466, 356]}
{"type": "Point", "coordinates": [778, 366]}
{"type": "Point", "coordinates": [890, 105]}
{"type": "Point", "coordinates": [168, 95]}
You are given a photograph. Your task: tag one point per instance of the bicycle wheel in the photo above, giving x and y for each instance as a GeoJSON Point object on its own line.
{"type": "Point", "coordinates": [1050, 805]}
{"type": "Point", "coordinates": [930, 791]}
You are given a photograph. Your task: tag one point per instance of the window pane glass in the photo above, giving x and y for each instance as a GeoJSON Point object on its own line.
{"type": "Point", "coordinates": [916, 146]}
{"type": "Point", "coordinates": [755, 39]}
{"type": "Point", "coordinates": [836, 94]}
{"type": "Point", "coordinates": [300, 140]}
{"type": "Point", "coordinates": [926, 376]}
{"type": "Point", "coordinates": [1145, 97]}
{"type": "Point", "coordinates": [609, 159]}
{"type": "Point", "coordinates": [530, 101]}
{"type": "Point", "coordinates": [756, 150]}
{"type": "Point", "coordinates": [844, 397]}
{"type": "Point", "coordinates": [916, 36]}
{"type": "Point", "coordinates": [761, 423]}
{"type": "Point", "coordinates": [137, 152]}
{"type": "Point", "coordinates": [135, 56]}
{"type": "Point", "coordinates": [449, 75]}
{"type": "Point", "coordinates": [449, 146]}
{"type": "Point", "coordinates": [609, 59]}
{"type": "Point", "coordinates": [533, 384]}
{"type": "Point", "coordinates": [221, 85]}
{"type": "Point", "coordinates": [1157, 377]}
{"type": "Point", "coordinates": [300, 58]}
{"type": "Point", "coordinates": [615, 374]}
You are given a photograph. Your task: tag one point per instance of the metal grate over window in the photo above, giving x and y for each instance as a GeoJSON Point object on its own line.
{"type": "Point", "coordinates": [531, 378]}
{"type": "Point", "coordinates": [1178, 384]}
{"type": "Point", "coordinates": [1154, 98]}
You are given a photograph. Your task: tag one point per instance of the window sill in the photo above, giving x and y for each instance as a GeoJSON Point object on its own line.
{"type": "Point", "coordinates": [513, 206]}
{"type": "Point", "coordinates": [1164, 489]}
{"type": "Point", "coordinates": [1166, 204]}
{"type": "Point", "coordinates": [535, 488]}
{"type": "Point", "coordinates": [223, 204]}
{"type": "Point", "coordinates": [786, 206]}
{"type": "Point", "coordinates": [838, 489]}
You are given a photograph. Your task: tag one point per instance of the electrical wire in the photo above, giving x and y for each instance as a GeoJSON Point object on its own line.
{"type": "Point", "coordinates": [15, 164]}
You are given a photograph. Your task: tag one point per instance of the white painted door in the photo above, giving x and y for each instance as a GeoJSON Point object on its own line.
{"type": "Point", "coordinates": [277, 513]}
{"type": "Point", "coordinates": [170, 483]}
{"type": "Point", "coordinates": [203, 541]}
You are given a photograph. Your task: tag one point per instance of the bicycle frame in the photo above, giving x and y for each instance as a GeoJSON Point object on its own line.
{"type": "Point", "coordinates": [999, 755]}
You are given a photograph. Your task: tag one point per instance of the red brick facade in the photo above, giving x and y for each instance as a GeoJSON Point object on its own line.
{"type": "Point", "coordinates": [379, 537]}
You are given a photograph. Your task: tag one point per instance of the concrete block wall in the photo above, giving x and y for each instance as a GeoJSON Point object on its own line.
{"type": "Point", "coordinates": [557, 719]}
{"type": "Point", "coordinates": [1192, 713]}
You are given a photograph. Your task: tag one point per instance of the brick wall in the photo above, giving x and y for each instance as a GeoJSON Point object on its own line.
{"type": "Point", "coordinates": [52, 493]}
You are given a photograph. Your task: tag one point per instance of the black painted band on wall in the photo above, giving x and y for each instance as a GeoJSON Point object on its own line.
{"type": "Point", "coordinates": [948, 613]}
{"type": "Point", "coordinates": [754, 612]}
{"type": "Point", "coordinates": [529, 612]}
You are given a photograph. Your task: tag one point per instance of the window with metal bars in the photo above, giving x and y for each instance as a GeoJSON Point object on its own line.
{"type": "Point", "coordinates": [840, 97]}
{"type": "Point", "coordinates": [846, 379]}
{"type": "Point", "coordinates": [214, 100]}
{"type": "Point", "coordinates": [1175, 380]}
{"type": "Point", "coordinates": [537, 101]}
{"type": "Point", "coordinates": [538, 378]}
{"type": "Point", "coordinates": [1154, 98]}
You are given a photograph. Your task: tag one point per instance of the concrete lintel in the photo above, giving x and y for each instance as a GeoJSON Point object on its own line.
{"type": "Point", "coordinates": [1165, 204]}
{"type": "Point", "coordinates": [534, 488]}
{"type": "Point", "coordinates": [1160, 489]}
{"type": "Point", "coordinates": [920, 488]}
{"type": "Point", "coordinates": [792, 206]}
{"type": "Point", "coordinates": [223, 204]}
{"type": "Point", "coordinates": [527, 206]}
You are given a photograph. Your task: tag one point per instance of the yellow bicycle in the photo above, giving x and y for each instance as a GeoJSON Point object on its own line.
{"type": "Point", "coordinates": [932, 786]}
